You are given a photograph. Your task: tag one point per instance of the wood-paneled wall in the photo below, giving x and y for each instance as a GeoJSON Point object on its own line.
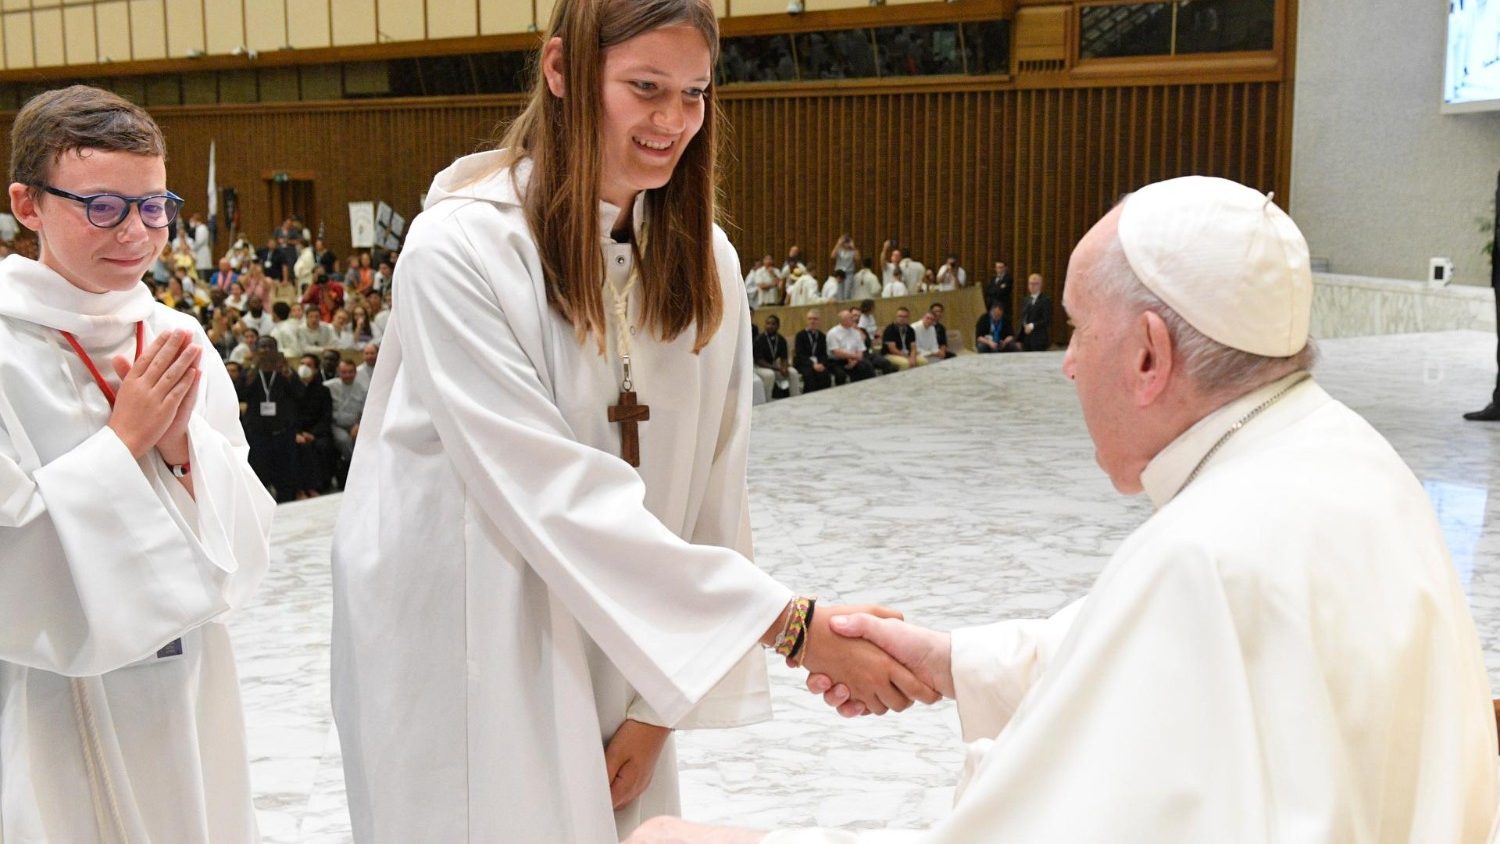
{"type": "Point", "coordinates": [987, 173]}
{"type": "Point", "coordinates": [1017, 175]}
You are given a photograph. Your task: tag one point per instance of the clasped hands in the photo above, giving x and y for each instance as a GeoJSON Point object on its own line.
{"type": "Point", "coordinates": [867, 660]}
{"type": "Point", "coordinates": [874, 661]}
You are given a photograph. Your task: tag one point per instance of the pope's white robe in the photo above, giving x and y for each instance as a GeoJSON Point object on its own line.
{"type": "Point", "coordinates": [1281, 653]}
{"type": "Point", "coordinates": [507, 590]}
{"type": "Point", "coordinates": [104, 559]}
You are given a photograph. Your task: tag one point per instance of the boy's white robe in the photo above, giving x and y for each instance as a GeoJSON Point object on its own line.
{"type": "Point", "coordinates": [104, 559]}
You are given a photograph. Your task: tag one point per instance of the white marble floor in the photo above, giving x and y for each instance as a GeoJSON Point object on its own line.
{"type": "Point", "coordinates": [978, 500]}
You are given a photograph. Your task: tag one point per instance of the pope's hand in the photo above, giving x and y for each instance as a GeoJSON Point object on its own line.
{"type": "Point", "coordinates": [665, 829]}
{"type": "Point", "coordinates": [926, 653]}
{"type": "Point", "coordinates": [873, 679]}
{"type": "Point", "coordinates": [630, 759]}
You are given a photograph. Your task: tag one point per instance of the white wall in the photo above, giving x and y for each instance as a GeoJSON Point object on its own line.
{"type": "Point", "coordinates": [1381, 181]}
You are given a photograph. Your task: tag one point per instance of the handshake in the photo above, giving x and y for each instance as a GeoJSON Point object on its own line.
{"type": "Point", "coordinates": [867, 661]}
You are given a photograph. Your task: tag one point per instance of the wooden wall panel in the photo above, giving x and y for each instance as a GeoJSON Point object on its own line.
{"type": "Point", "coordinates": [185, 30]}
{"type": "Point", "coordinates": [501, 16]}
{"type": "Point", "coordinates": [148, 30]}
{"type": "Point", "coordinates": [18, 49]}
{"type": "Point", "coordinates": [47, 34]}
{"type": "Point", "coordinates": [265, 24]}
{"type": "Point", "coordinates": [401, 20]}
{"type": "Point", "coordinates": [1017, 175]}
{"type": "Point", "coordinates": [78, 28]}
{"type": "Point", "coordinates": [452, 18]}
{"type": "Point", "coordinates": [308, 25]}
{"type": "Point", "coordinates": [353, 22]}
{"type": "Point", "coordinates": [112, 23]}
{"type": "Point", "coordinates": [985, 173]}
{"type": "Point", "coordinates": [224, 25]}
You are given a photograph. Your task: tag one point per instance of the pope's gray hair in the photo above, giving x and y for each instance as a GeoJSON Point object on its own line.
{"type": "Point", "coordinates": [1216, 369]}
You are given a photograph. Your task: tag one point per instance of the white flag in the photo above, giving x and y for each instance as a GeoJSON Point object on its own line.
{"type": "Point", "coordinates": [213, 186]}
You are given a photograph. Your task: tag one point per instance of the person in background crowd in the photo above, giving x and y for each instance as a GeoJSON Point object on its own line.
{"type": "Point", "coordinates": [314, 438]}
{"type": "Point", "coordinates": [866, 283]}
{"type": "Point", "coordinates": [1000, 288]}
{"type": "Point", "coordinates": [992, 332]}
{"type": "Point", "coordinates": [1036, 317]}
{"type": "Point", "coordinates": [811, 355]}
{"type": "Point", "coordinates": [348, 396]}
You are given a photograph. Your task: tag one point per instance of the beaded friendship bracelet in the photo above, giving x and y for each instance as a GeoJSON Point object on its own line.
{"type": "Point", "coordinates": [796, 627]}
{"type": "Point", "coordinates": [799, 649]}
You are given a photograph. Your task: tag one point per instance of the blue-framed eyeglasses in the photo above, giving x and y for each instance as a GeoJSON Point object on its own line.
{"type": "Point", "coordinates": [107, 210]}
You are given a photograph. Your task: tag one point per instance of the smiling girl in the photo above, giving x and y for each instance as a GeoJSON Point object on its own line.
{"type": "Point", "coordinates": [542, 562]}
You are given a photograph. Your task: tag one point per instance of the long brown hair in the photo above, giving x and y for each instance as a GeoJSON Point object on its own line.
{"type": "Point", "coordinates": [678, 276]}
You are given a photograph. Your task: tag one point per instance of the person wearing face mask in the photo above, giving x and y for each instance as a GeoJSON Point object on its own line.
{"type": "Point", "coordinates": [314, 436]}
{"type": "Point", "coordinates": [565, 386]}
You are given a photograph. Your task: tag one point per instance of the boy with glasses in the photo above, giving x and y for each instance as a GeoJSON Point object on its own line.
{"type": "Point", "coordinates": [130, 521]}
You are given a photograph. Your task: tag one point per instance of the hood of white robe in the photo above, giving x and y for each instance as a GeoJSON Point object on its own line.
{"type": "Point", "coordinates": [484, 176]}
{"type": "Point", "coordinates": [36, 293]}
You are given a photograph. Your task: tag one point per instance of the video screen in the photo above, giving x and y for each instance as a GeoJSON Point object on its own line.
{"type": "Point", "coordinates": [1471, 81]}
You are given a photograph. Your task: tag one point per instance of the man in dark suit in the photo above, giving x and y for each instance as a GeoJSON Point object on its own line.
{"type": "Point", "coordinates": [812, 355]}
{"type": "Point", "coordinates": [1000, 287]}
{"type": "Point", "coordinates": [992, 332]}
{"type": "Point", "coordinates": [1036, 317]}
{"type": "Point", "coordinates": [1491, 413]}
{"type": "Point", "coordinates": [271, 397]}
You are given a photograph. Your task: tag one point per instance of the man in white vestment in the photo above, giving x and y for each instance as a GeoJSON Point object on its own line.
{"type": "Point", "coordinates": [764, 284]}
{"type": "Point", "coordinates": [802, 288]}
{"type": "Point", "coordinates": [130, 522]}
{"type": "Point", "coordinates": [1282, 652]}
{"type": "Point", "coordinates": [867, 284]}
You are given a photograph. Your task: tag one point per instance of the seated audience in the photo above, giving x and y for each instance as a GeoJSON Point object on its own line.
{"type": "Point", "coordinates": [846, 346]}
{"type": "Point", "coordinates": [867, 316]}
{"type": "Point", "coordinates": [368, 354]}
{"type": "Point", "coordinates": [244, 352]}
{"type": "Point", "coordinates": [992, 332]}
{"type": "Point", "coordinates": [811, 361]}
{"type": "Point", "coordinates": [314, 437]}
{"type": "Point", "coordinates": [285, 329]}
{"type": "Point", "coordinates": [932, 338]}
{"type": "Point", "coordinates": [269, 396]}
{"type": "Point", "coordinates": [223, 276]}
{"type": "Point", "coordinates": [314, 335]}
{"type": "Point", "coordinates": [900, 342]}
{"type": "Point", "coordinates": [773, 362]}
{"type": "Point", "coordinates": [348, 397]}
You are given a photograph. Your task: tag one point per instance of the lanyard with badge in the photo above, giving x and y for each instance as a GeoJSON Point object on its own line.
{"type": "Point", "coordinates": [267, 407]}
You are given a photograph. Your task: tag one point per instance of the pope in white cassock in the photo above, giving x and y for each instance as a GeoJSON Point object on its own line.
{"type": "Point", "coordinates": [130, 521]}
{"type": "Point", "coordinates": [541, 563]}
{"type": "Point", "coordinates": [1282, 651]}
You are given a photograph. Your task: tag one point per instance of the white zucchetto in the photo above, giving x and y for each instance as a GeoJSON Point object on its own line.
{"type": "Point", "coordinates": [1225, 258]}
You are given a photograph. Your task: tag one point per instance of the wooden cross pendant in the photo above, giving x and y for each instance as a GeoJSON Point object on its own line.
{"type": "Point", "coordinates": [629, 415]}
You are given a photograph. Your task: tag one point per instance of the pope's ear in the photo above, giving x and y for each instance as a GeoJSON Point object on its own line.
{"type": "Point", "coordinates": [552, 67]}
{"type": "Point", "coordinates": [24, 207]}
{"type": "Point", "coordinates": [1156, 359]}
